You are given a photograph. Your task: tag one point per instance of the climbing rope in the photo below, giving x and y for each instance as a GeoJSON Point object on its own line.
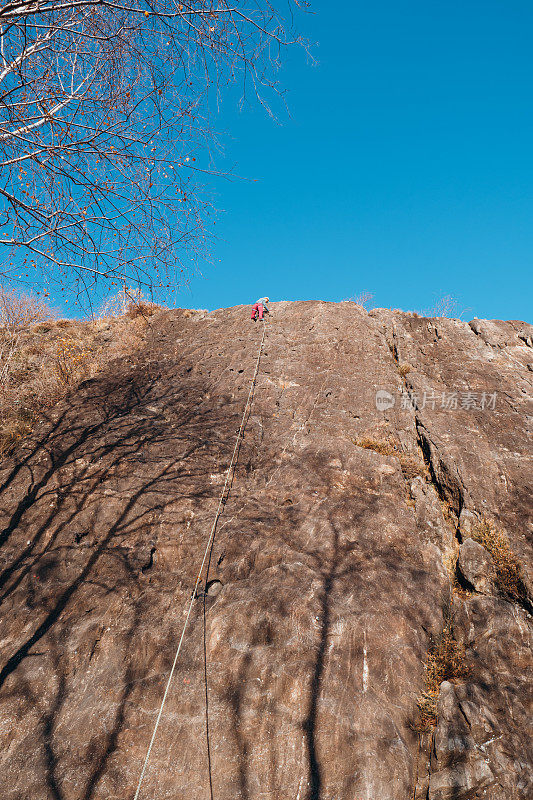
{"type": "Point", "coordinates": [221, 503]}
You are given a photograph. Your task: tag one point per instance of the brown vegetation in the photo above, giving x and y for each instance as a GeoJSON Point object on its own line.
{"type": "Point", "coordinates": [363, 299]}
{"type": "Point", "coordinates": [445, 306]}
{"type": "Point", "coordinates": [410, 466]}
{"type": "Point", "coordinates": [444, 662]}
{"type": "Point", "coordinates": [20, 310]}
{"type": "Point", "coordinates": [509, 575]}
{"type": "Point", "coordinates": [141, 308]}
{"type": "Point", "coordinates": [386, 447]}
{"type": "Point", "coordinates": [41, 363]}
{"type": "Point", "coordinates": [404, 369]}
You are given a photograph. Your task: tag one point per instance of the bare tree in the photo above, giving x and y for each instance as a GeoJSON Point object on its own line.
{"type": "Point", "coordinates": [104, 108]}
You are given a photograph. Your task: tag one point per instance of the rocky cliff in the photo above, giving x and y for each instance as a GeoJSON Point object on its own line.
{"type": "Point", "coordinates": [366, 629]}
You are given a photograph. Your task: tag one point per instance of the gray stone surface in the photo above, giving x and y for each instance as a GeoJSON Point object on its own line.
{"type": "Point", "coordinates": [464, 781]}
{"type": "Point", "coordinates": [475, 566]}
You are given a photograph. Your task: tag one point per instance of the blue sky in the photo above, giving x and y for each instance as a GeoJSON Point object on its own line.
{"type": "Point", "coordinates": [404, 169]}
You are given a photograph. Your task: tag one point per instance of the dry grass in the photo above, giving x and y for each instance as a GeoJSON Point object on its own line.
{"type": "Point", "coordinates": [72, 360]}
{"type": "Point", "coordinates": [128, 301]}
{"type": "Point", "coordinates": [404, 369]}
{"type": "Point", "coordinates": [449, 559]}
{"type": "Point", "coordinates": [509, 575]}
{"type": "Point", "coordinates": [41, 363]}
{"type": "Point", "coordinates": [411, 467]}
{"type": "Point", "coordinates": [142, 308]}
{"type": "Point", "coordinates": [18, 311]}
{"type": "Point", "coordinates": [386, 447]}
{"type": "Point", "coordinates": [445, 662]}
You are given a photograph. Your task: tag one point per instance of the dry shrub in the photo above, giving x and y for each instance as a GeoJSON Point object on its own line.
{"type": "Point", "coordinates": [72, 362]}
{"type": "Point", "coordinates": [141, 309]}
{"type": "Point", "coordinates": [386, 447]}
{"type": "Point", "coordinates": [363, 299]}
{"type": "Point", "coordinates": [10, 433]}
{"type": "Point", "coordinates": [187, 313]}
{"type": "Point", "coordinates": [446, 306]}
{"type": "Point", "coordinates": [41, 364]}
{"type": "Point", "coordinates": [509, 576]}
{"type": "Point", "coordinates": [19, 311]}
{"type": "Point", "coordinates": [117, 304]}
{"type": "Point", "coordinates": [129, 301]}
{"type": "Point", "coordinates": [445, 662]}
{"type": "Point", "coordinates": [410, 466]}
{"type": "Point", "coordinates": [404, 369]}
{"type": "Point", "coordinates": [44, 327]}
{"type": "Point", "coordinates": [449, 559]}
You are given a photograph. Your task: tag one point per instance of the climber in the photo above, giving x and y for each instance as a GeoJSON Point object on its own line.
{"type": "Point", "coordinates": [260, 308]}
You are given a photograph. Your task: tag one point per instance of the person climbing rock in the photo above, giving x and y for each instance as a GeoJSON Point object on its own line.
{"type": "Point", "coordinates": [259, 308]}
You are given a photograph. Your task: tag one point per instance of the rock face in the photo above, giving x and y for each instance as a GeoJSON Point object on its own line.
{"type": "Point", "coordinates": [374, 444]}
{"type": "Point", "coordinates": [475, 567]}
